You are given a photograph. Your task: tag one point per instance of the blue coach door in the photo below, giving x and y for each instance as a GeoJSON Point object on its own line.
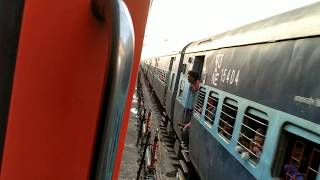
{"type": "Point", "coordinates": [168, 80]}
{"type": "Point", "coordinates": [185, 100]}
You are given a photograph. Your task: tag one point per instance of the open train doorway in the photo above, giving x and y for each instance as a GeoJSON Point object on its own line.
{"type": "Point", "coordinates": [198, 65]}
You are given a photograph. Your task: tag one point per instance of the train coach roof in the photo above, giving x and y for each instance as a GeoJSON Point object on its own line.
{"type": "Point", "coordinates": [172, 53]}
{"type": "Point", "coordinates": [302, 22]}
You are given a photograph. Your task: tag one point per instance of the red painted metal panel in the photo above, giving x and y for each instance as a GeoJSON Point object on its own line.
{"type": "Point", "coordinates": [57, 90]}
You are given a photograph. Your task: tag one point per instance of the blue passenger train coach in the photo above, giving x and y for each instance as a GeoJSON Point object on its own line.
{"type": "Point", "coordinates": [257, 111]}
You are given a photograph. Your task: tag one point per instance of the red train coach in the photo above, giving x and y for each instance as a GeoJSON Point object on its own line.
{"type": "Point", "coordinates": [67, 69]}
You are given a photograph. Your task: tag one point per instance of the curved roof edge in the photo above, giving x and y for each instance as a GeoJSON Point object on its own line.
{"type": "Point", "coordinates": [163, 55]}
{"type": "Point", "coordinates": [301, 22]}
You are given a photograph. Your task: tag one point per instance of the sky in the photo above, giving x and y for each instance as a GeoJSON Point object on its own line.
{"type": "Point", "coordinates": [174, 23]}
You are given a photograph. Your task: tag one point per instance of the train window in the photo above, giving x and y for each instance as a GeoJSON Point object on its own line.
{"type": "Point", "coordinates": [184, 68]}
{"type": "Point", "coordinates": [200, 100]}
{"type": "Point", "coordinates": [252, 134]}
{"type": "Point", "coordinates": [162, 76]}
{"type": "Point", "coordinates": [298, 158]}
{"type": "Point", "coordinates": [198, 64]}
{"type": "Point", "coordinates": [227, 118]}
{"type": "Point", "coordinates": [181, 89]}
{"type": "Point", "coordinates": [211, 107]}
{"type": "Point", "coordinates": [172, 79]}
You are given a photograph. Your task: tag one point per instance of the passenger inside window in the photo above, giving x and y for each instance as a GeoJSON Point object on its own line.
{"type": "Point", "coordinates": [252, 136]}
{"type": "Point", "coordinates": [226, 129]}
{"type": "Point", "coordinates": [210, 111]}
{"type": "Point", "coordinates": [253, 146]}
{"type": "Point", "coordinates": [302, 159]}
{"type": "Point", "coordinates": [227, 118]}
{"type": "Point", "coordinates": [257, 142]}
{"type": "Point", "coordinates": [294, 171]}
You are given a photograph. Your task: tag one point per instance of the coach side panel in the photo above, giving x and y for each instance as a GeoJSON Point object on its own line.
{"type": "Point", "coordinates": [283, 75]}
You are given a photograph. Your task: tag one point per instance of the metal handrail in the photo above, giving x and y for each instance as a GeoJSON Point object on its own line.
{"type": "Point", "coordinates": [117, 83]}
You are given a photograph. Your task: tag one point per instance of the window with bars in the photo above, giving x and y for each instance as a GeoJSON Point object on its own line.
{"type": "Point", "coordinates": [227, 118]}
{"type": "Point", "coordinates": [162, 75]}
{"type": "Point", "coordinates": [211, 107]}
{"type": "Point", "coordinates": [253, 130]}
{"type": "Point", "coordinates": [200, 101]}
{"type": "Point", "coordinates": [301, 158]}
{"type": "Point", "coordinates": [313, 166]}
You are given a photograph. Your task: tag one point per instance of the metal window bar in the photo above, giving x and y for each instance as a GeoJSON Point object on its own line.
{"type": "Point", "coordinates": [256, 120]}
{"type": "Point", "coordinates": [210, 108]}
{"type": "Point", "coordinates": [213, 98]}
{"type": "Point", "coordinates": [252, 130]}
{"type": "Point", "coordinates": [210, 105]}
{"type": "Point", "coordinates": [248, 150]}
{"type": "Point", "coordinates": [311, 169]}
{"type": "Point", "coordinates": [209, 111]}
{"type": "Point", "coordinates": [197, 114]}
{"type": "Point", "coordinates": [301, 146]}
{"type": "Point", "coordinates": [201, 93]}
{"type": "Point", "coordinates": [243, 135]}
{"type": "Point", "coordinates": [198, 106]}
{"type": "Point", "coordinates": [224, 130]}
{"type": "Point", "coordinates": [230, 107]}
{"type": "Point", "coordinates": [198, 111]}
{"type": "Point", "coordinates": [294, 158]}
{"type": "Point", "coordinates": [250, 139]}
{"type": "Point", "coordinates": [202, 90]}
{"type": "Point", "coordinates": [201, 96]}
{"type": "Point", "coordinates": [200, 101]}
{"type": "Point", "coordinates": [247, 125]}
{"type": "Point", "coordinates": [226, 122]}
{"type": "Point", "coordinates": [208, 119]}
{"type": "Point", "coordinates": [228, 115]}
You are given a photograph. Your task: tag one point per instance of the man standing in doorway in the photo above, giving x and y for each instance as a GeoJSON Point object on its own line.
{"type": "Point", "coordinates": [193, 78]}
